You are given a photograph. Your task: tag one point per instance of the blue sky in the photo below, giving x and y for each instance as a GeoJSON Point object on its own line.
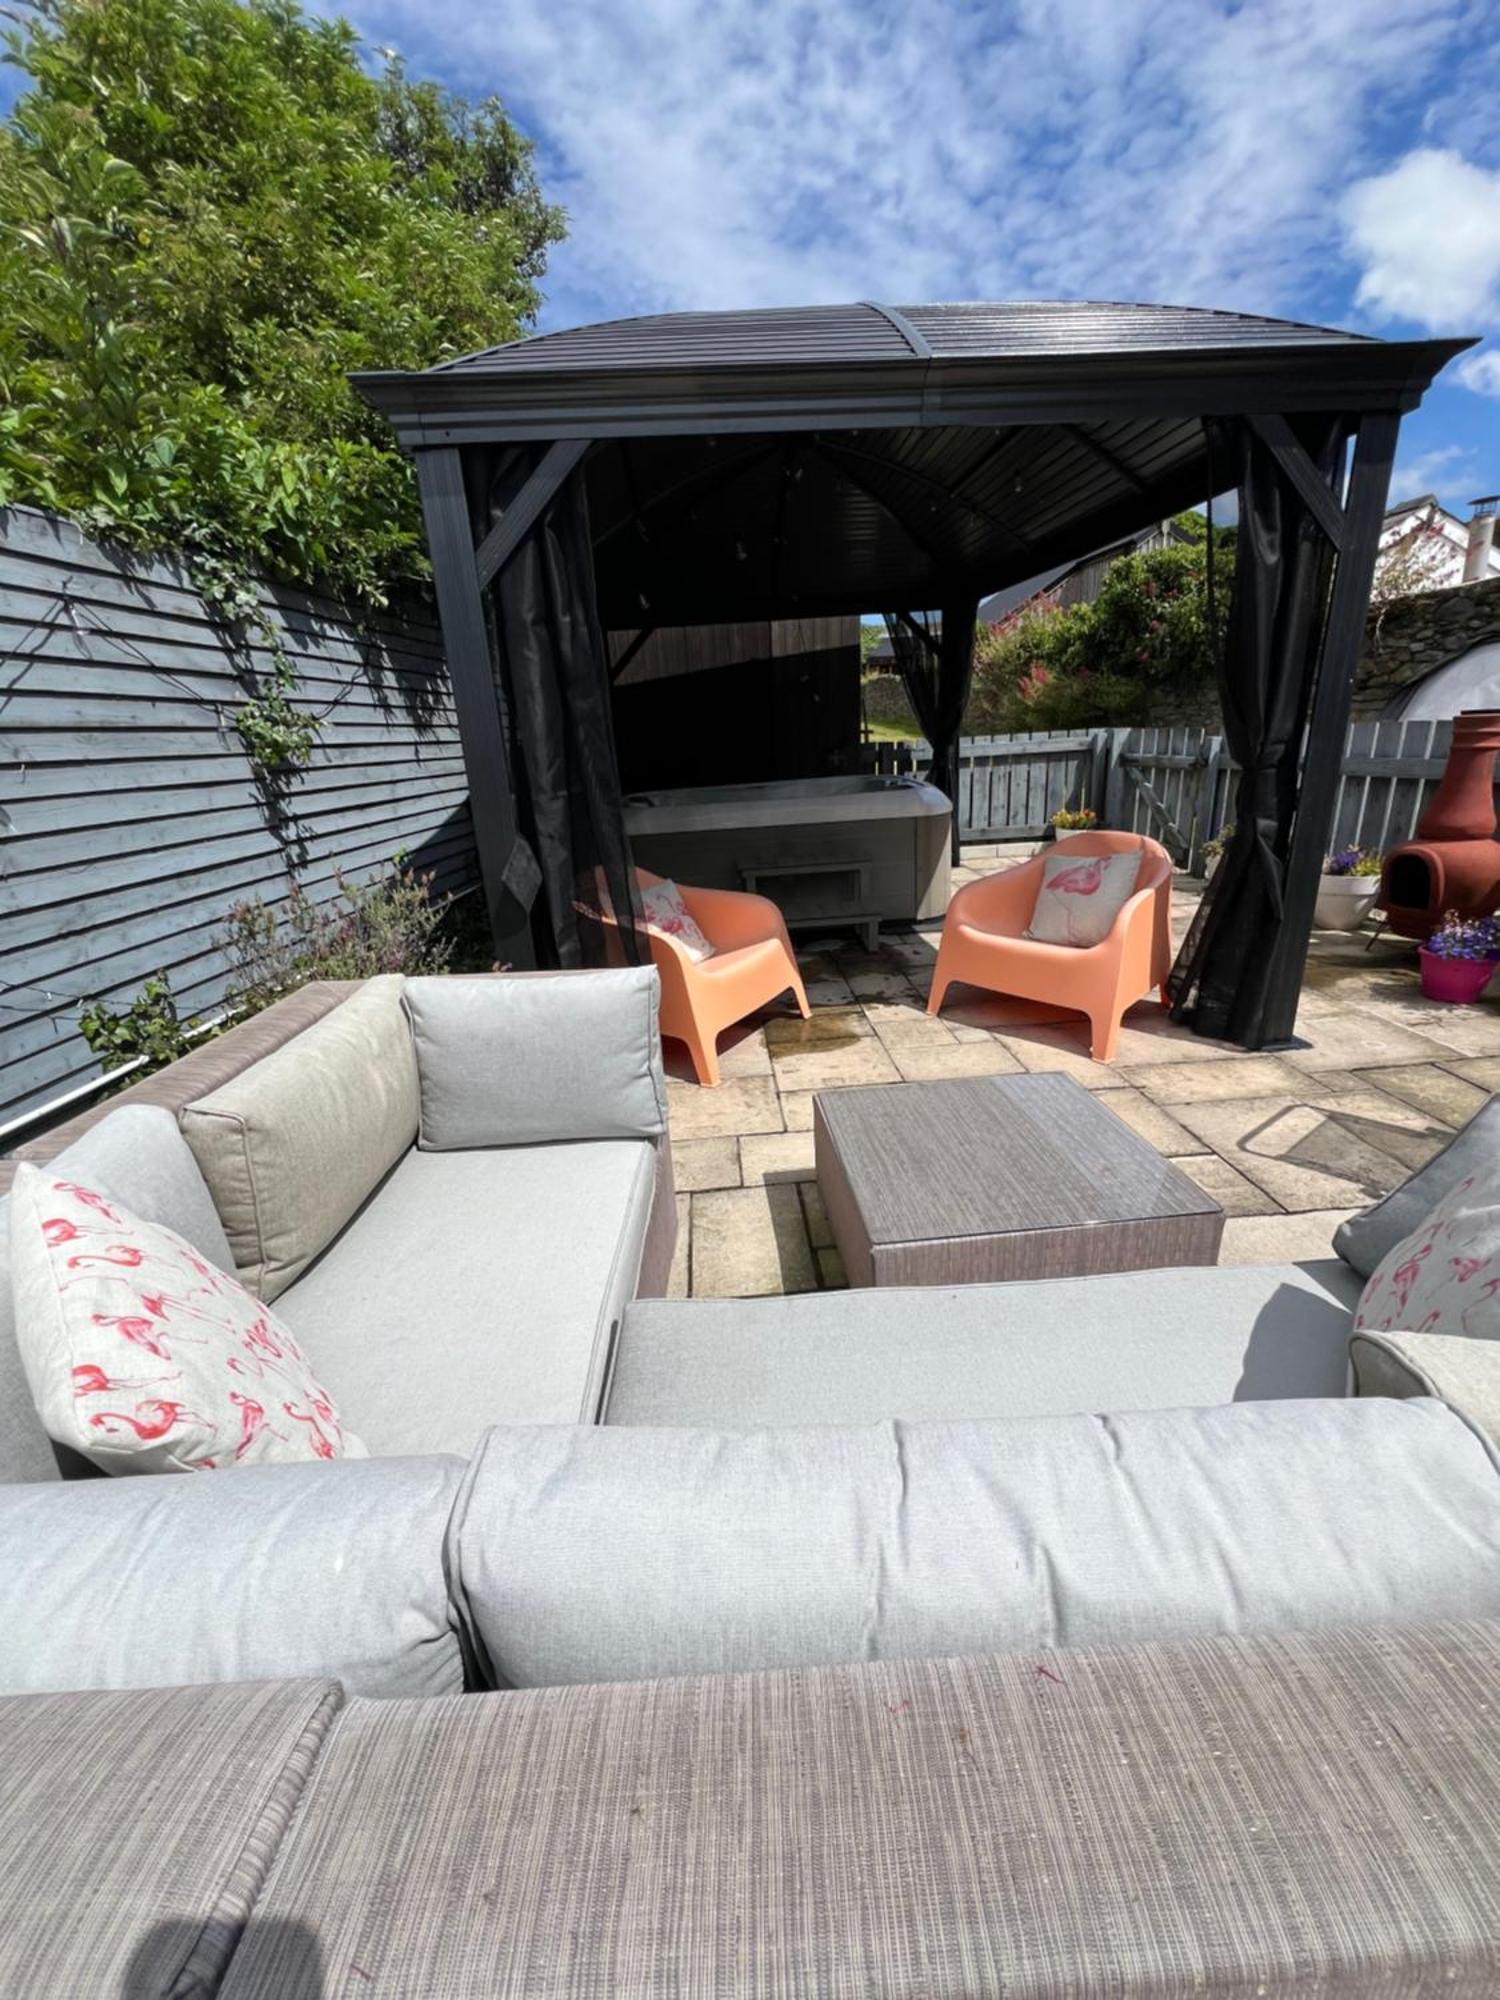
{"type": "Point", "coordinates": [1335, 160]}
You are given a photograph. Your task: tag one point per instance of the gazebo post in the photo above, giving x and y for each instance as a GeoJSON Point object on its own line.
{"type": "Point", "coordinates": [955, 674]}
{"type": "Point", "coordinates": [466, 643]}
{"type": "Point", "coordinates": [1328, 720]}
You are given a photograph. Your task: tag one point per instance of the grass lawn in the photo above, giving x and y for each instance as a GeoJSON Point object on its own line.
{"type": "Point", "coordinates": [890, 732]}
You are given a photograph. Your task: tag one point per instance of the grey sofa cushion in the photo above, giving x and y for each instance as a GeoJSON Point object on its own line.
{"type": "Point", "coordinates": [622, 1554]}
{"type": "Point", "coordinates": [138, 1829]}
{"type": "Point", "coordinates": [137, 1155]}
{"type": "Point", "coordinates": [1132, 1340]}
{"type": "Point", "coordinates": [1311, 1814]}
{"type": "Point", "coordinates": [1463, 1372]}
{"type": "Point", "coordinates": [477, 1288]}
{"type": "Point", "coordinates": [506, 1060]}
{"type": "Point", "coordinates": [260, 1572]}
{"type": "Point", "coordinates": [1364, 1239]}
{"type": "Point", "coordinates": [291, 1146]}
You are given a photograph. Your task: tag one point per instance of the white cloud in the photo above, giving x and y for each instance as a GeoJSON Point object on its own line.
{"type": "Point", "coordinates": [1427, 234]}
{"type": "Point", "coordinates": [1444, 471]}
{"type": "Point", "coordinates": [741, 152]}
{"type": "Point", "coordinates": [1480, 372]}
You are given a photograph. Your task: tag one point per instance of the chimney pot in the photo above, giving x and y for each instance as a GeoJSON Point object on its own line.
{"type": "Point", "coordinates": [1481, 537]}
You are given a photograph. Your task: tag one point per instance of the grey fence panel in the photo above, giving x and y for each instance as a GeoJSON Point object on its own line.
{"type": "Point", "coordinates": [131, 816]}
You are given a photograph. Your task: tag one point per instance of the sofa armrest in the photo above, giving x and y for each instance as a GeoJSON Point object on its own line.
{"type": "Point", "coordinates": [1462, 1372]}
{"type": "Point", "coordinates": [511, 1059]}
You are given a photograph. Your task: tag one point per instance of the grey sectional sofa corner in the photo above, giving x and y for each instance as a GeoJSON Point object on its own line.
{"type": "Point", "coordinates": [451, 1226]}
{"type": "Point", "coordinates": [619, 1666]}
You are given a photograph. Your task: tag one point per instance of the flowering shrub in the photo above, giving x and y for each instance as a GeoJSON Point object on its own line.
{"type": "Point", "coordinates": [1047, 666]}
{"type": "Point", "coordinates": [392, 923]}
{"type": "Point", "coordinates": [1465, 937]}
{"type": "Point", "coordinates": [1213, 850]}
{"type": "Point", "coordinates": [1075, 819]}
{"type": "Point", "coordinates": [1352, 861]}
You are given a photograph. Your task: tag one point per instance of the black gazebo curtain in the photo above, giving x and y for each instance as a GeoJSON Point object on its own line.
{"type": "Point", "coordinates": [555, 677]}
{"type": "Point", "coordinates": [936, 669]}
{"type": "Point", "coordinates": [1266, 672]}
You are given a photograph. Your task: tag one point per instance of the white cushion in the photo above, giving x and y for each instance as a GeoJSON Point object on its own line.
{"type": "Point", "coordinates": [1445, 1276]}
{"type": "Point", "coordinates": [664, 912]}
{"type": "Point", "coordinates": [142, 1355]}
{"type": "Point", "coordinates": [1080, 897]}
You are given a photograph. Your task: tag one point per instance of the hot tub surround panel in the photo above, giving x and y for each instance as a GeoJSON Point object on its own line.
{"type": "Point", "coordinates": [827, 851]}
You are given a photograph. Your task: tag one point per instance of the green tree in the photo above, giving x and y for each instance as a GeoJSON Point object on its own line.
{"type": "Point", "coordinates": [209, 211]}
{"type": "Point", "coordinates": [1145, 634]}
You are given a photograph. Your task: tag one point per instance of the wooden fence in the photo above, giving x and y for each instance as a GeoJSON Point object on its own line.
{"type": "Point", "coordinates": [1177, 784]}
{"type": "Point", "coordinates": [132, 817]}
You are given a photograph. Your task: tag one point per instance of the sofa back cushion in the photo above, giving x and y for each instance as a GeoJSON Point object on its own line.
{"type": "Point", "coordinates": [593, 1555]}
{"type": "Point", "coordinates": [538, 1057]}
{"type": "Point", "coordinates": [259, 1573]}
{"type": "Point", "coordinates": [137, 1155]}
{"type": "Point", "coordinates": [292, 1146]}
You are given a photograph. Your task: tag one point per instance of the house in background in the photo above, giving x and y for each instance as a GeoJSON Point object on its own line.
{"type": "Point", "coordinates": [1423, 546]}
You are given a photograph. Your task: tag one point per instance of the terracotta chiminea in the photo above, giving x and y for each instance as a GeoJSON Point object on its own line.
{"type": "Point", "coordinates": [1454, 862]}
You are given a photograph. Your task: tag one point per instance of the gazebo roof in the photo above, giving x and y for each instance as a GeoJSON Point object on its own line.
{"type": "Point", "coordinates": [827, 459]}
{"type": "Point", "coordinates": [799, 335]}
{"type": "Point", "coordinates": [869, 366]}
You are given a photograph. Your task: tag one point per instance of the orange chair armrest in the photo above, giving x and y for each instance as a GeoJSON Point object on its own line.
{"type": "Point", "coordinates": [730, 918]}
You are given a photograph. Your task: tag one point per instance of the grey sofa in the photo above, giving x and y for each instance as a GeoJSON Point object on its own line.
{"type": "Point", "coordinates": [448, 1217]}
{"type": "Point", "coordinates": [533, 1704]}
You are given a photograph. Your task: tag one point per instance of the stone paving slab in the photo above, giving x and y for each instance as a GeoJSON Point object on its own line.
{"type": "Point", "coordinates": [706, 1163]}
{"type": "Point", "coordinates": [1281, 1239]}
{"type": "Point", "coordinates": [1289, 1142]}
{"type": "Point", "coordinates": [1211, 1082]}
{"type": "Point", "coordinates": [1444, 1096]}
{"type": "Point", "coordinates": [750, 1241]}
{"type": "Point", "coordinates": [1234, 1193]}
{"type": "Point", "coordinates": [775, 1156]}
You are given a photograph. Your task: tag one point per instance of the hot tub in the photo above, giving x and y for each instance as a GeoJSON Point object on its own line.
{"type": "Point", "coordinates": [828, 851]}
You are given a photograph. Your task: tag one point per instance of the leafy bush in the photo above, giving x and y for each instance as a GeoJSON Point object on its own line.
{"type": "Point", "coordinates": [208, 212]}
{"type": "Point", "coordinates": [392, 923]}
{"type": "Point", "coordinates": [148, 1032]}
{"type": "Point", "coordinates": [1049, 667]}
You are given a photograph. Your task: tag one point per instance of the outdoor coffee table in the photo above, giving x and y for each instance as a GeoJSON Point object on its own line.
{"type": "Point", "coordinates": [996, 1177]}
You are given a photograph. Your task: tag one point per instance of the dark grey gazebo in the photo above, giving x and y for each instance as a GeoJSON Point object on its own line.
{"type": "Point", "coordinates": [699, 467]}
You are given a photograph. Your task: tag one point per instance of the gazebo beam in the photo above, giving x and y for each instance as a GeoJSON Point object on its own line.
{"type": "Point", "coordinates": [1277, 435]}
{"type": "Point", "coordinates": [1362, 516]}
{"type": "Point", "coordinates": [527, 508]}
{"type": "Point", "coordinates": [466, 645]}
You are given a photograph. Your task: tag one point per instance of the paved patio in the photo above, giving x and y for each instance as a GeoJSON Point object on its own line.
{"type": "Point", "coordinates": [1289, 1143]}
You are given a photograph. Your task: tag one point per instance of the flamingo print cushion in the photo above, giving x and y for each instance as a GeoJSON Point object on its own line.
{"type": "Point", "coordinates": [662, 909]}
{"type": "Point", "coordinates": [144, 1357]}
{"type": "Point", "coordinates": [1080, 897]}
{"type": "Point", "coordinates": [1444, 1277]}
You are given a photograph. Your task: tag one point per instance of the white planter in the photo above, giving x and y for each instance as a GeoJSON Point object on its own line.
{"type": "Point", "coordinates": [1344, 901]}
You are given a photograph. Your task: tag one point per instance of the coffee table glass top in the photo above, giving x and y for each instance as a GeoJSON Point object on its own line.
{"type": "Point", "coordinates": [978, 1156]}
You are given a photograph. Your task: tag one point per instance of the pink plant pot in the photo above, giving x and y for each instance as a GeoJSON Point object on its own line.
{"type": "Point", "coordinates": [1457, 980]}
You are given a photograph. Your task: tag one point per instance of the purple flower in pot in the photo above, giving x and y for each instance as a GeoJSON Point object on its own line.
{"type": "Point", "coordinates": [1460, 957]}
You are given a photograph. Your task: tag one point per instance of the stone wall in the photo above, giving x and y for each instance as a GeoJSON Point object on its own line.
{"type": "Point", "coordinates": [1413, 636]}
{"type": "Point", "coordinates": [1405, 640]}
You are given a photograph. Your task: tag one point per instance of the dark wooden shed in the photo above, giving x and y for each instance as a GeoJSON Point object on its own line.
{"type": "Point", "coordinates": [818, 461]}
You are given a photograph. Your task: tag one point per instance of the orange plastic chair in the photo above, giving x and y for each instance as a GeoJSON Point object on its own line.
{"type": "Point", "coordinates": [753, 964]}
{"type": "Point", "coordinates": [983, 946]}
